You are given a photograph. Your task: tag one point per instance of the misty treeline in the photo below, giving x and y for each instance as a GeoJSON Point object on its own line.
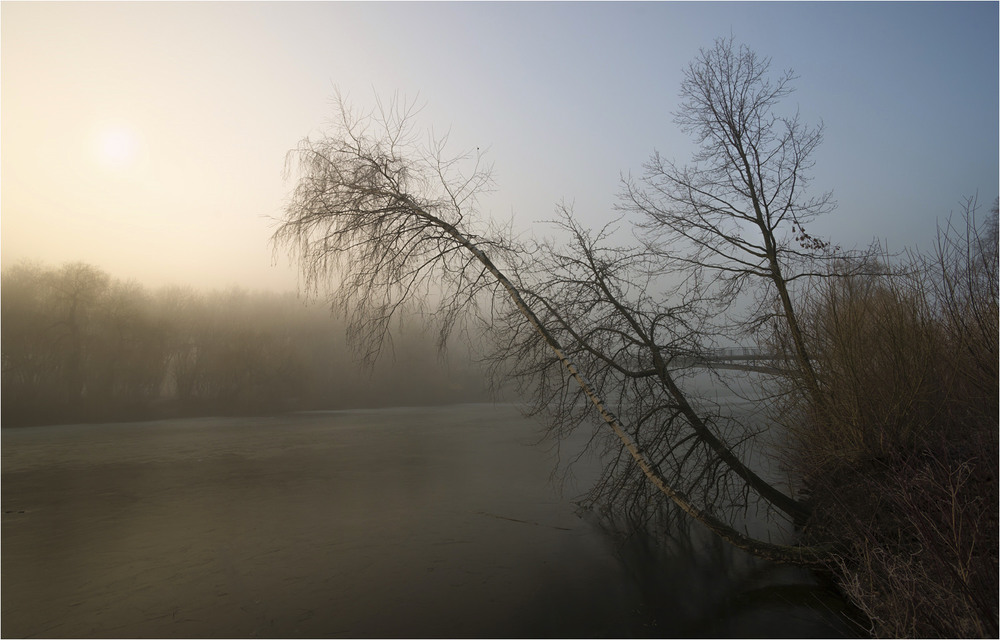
{"type": "Point", "coordinates": [874, 429]}
{"type": "Point", "coordinates": [79, 345]}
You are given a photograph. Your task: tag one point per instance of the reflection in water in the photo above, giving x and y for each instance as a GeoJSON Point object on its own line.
{"type": "Point", "coordinates": [406, 522]}
{"type": "Point", "coordinates": [688, 583]}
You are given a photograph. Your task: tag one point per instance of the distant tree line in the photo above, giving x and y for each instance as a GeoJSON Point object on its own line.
{"type": "Point", "coordinates": [79, 346]}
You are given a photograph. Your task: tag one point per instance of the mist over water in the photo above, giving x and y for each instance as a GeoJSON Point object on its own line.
{"type": "Point", "coordinates": [438, 521]}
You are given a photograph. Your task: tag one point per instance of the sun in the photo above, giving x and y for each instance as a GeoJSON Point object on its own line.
{"type": "Point", "coordinates": [117, 146]}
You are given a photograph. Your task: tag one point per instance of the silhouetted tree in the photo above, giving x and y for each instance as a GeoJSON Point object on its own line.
{"type": "Point", "coordinates": [390, 226]}
{"type": "Point", "coordinates": [735, 218]}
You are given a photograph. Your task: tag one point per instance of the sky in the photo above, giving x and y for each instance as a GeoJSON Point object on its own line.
{"type": "Point", "coordinates": [149, 139]}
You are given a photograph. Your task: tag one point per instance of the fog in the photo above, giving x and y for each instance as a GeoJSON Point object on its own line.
{"type": "Point", "coordinates": [82, 346]}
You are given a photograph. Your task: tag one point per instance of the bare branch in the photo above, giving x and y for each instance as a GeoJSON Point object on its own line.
{"type": "Point", "coordinates": [391, 226]}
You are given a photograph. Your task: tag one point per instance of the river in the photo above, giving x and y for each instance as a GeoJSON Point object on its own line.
{"type": "Point", "coordinates": [415, 522]}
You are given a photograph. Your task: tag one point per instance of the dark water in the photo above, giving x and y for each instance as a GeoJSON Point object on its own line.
{"type": "Point", "coordinates": [384, 523]}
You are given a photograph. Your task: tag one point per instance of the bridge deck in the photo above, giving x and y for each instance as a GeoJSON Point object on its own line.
{"type": "Point", "coordinates": [737, 358]}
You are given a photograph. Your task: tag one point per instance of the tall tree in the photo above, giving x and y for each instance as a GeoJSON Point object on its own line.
{"type": "Point", "coordinates": [389, 224]}
{"type": "Point", "coordinates": [735, 217]}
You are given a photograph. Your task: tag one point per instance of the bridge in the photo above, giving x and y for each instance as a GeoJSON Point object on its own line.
{"type": "Point", "coordinates": [737, 358]}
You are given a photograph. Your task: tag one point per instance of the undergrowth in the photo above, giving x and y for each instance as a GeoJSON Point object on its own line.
{"type": "Point", "coordinates": [899, 449]}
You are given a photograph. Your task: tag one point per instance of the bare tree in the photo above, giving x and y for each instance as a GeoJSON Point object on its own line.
{"type": "Point", "coordinates": [389, 225]}
{"type": "Point", "coordinates": [737, 215]}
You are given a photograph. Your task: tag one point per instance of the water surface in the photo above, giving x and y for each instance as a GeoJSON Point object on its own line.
{"type": "Point", "coordinates": [410, 522]}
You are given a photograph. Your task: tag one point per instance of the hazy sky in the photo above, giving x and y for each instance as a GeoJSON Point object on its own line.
{"type": "Point", "coordinates": [149, 138]}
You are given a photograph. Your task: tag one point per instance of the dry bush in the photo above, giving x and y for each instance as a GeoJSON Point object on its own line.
{"type": "Point", "coordinates": [883, 369]}
{"type": "Point", "coordinates": [920, 539]}
{"type": "Point", "coordinates": [965, 290]}
{"type": "Point", "coordinates": [899, 450]}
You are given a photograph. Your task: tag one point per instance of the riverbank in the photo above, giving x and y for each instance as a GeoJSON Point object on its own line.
{"type": "Point", "coordinates": [918, 534]}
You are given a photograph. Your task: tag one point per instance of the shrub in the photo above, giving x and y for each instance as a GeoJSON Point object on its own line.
{"type": "Point", "coordinates": [898, 449]}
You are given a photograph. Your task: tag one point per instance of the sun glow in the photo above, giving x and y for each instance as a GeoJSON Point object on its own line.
{"type": "Point", "coordinates": [117, 147]}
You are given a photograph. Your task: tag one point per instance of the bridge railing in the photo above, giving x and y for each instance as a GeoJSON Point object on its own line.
{"type": "Point", "coordinates": [741, 353]}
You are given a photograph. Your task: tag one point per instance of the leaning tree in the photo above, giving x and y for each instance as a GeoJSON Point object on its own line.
{"type": "Point", "coordinates": [594, 333]}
